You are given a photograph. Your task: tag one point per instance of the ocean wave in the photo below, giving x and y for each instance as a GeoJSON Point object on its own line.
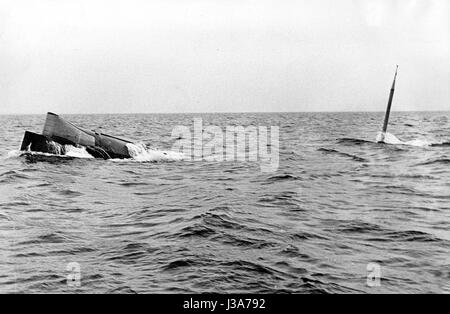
{"type": "Point", "coordinates": [406, 236]}
{"type": "Point", "coordinates": [353, 141]}
{"type": "Point", "coordinates": [404, 175]}
{"type": "Point", "coordinates": [197, 230]}
{"type": "Point", "coordinates": [250, 267]}
{"type": "Point", "coordinates": [141, 153]}
{"type": "Point", "coordinates": [443, 144]}
{"type": "Point", "coordinates": [437, 161]}
{"type": "Point", "coordinates": [302, 236]}
{"type": "Point", "coordinates": [13, 174]}
{"type": "Point", "coordinates": [180, 263]}
{"type": "Point", "coordinates": [281, 177]}
{"type": "Point", "coordinates": [359, 227]}
{"type": "Point", "coordinates": [342, 154]}
{"type": "Point", "coordinates": [241, 241]}
{"type": "Point", "coordinates": [53, 237]}
{"type": "Point", "coordinates": [378, 233]}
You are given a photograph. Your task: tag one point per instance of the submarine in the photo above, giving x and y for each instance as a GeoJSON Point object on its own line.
{"type": "Point", "coordinates": [58, 132]}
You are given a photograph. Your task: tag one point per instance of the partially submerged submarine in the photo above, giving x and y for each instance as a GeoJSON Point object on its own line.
{"type": "Point", "coordinates": [58, 132]}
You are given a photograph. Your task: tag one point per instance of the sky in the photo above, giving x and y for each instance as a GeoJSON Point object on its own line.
{"type": "Point", "coordinates": [164, 56]}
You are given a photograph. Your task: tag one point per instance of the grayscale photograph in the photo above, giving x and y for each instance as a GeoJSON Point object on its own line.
{"type": "Point", "coordinates": [224, 154]}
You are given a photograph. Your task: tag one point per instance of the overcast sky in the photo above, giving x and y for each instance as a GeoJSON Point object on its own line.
{"type": "Point", "coordinates": [222, 56]}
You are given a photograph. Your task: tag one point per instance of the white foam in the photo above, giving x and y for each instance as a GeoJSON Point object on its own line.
{"type": "Point", "coordinates": [57, 148]}
{"type": "Point", "coordinates": [18, 153]}
{"type": "Point", "coordinates": [141, 153]}
{"type": "Point", "coordinates": [389, 138]}
{"type": "Point", "coordinates": [12, 154]}
{"type": "Point", "coordinates": [71, 151]}
{"type": "Point", "coordinates": [138, 152]}
{"type": "Point", "coordinates": [78, 152]}
{"type": "Point", "coordinates": [419, 143]}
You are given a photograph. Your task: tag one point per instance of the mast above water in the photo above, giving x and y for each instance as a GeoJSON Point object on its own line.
{"type": "Point", "coordinates": [388, 110]}
{"type": "Point", "coordinates": [391, 97]}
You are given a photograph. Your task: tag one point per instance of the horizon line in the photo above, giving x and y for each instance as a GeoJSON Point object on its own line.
{"type": "Point", "coordinates": [214, 112]}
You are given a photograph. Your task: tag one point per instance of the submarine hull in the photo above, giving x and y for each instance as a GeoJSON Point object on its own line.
{"type": "Point", "coordinates": [59, 132]}
{"type": "Point", "coordinates": [40, 143]}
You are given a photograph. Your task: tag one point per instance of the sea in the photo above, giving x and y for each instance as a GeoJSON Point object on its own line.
{"type": "Point", "coordinates": [339, 212]}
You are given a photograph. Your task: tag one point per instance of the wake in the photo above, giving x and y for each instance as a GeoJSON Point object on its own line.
{"type": "Point", "coordinates": [138, 153]}
{"type": "Point", "coordinates": [393, 140]}
{"type": "Point", "coordinates": [142, 153]}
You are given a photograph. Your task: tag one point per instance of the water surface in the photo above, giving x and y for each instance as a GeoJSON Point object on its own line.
{"type": "Point", "coordinates": [337, 202]}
